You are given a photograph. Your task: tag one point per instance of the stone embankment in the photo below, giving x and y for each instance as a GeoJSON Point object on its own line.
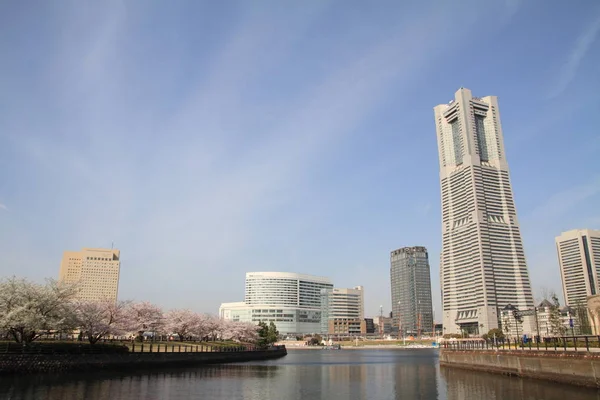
{"type": "Point", "coordinates": [34, 363]}
{"type": "Point", "coordinates": [578, 368]}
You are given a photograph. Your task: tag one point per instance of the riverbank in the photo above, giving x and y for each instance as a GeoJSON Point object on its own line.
{"type": "Point", "coordinates": [36, 363]}
{"type": "Point", "coordinates": [573, 368]}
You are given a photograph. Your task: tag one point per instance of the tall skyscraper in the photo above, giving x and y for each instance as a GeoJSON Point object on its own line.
{"type": "Point", "coordinates": [411, 291]}
{"type": "Point", "coordinates": [579, 260]}
{"type": "Point", "coordinates": [95, 270]}
{"type": "Point", "coordinates": [482, 265]}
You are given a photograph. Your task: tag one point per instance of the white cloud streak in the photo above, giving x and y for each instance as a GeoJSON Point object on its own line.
{"type": "Point", "coordinates": [3, 207]}
{"type": "Point", "coordinates": [579, 51]}
{"type": "Point", "coordinates": [566, 200]}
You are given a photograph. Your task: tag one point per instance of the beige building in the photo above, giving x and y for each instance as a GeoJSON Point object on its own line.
{"type": "Point", "coordinates": [579, 260]}
{"type": "Point", "coordinates": [482, 265]}
{"type": "Point", "coordinates": [593, 308]}
{"type": "Point", "coordinates": [95, 270]}
{"type": "Point", "coordinates": [347, 326]}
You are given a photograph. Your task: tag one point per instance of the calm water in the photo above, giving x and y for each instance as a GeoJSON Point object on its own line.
{"type": "Point", "coordinates": [316, 374]}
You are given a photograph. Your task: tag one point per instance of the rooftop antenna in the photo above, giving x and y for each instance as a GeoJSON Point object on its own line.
{"type": "Point", "coordinates": [112, 245]}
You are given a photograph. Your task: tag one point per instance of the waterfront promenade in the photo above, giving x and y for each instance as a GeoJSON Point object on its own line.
{"type": "Point", "coordinates": [558, 360]}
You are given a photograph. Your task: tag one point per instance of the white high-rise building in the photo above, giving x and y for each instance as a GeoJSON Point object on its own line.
{"type": "Point", "coordinates": [292, 301]}
{"type": "Point", "coordinates": [579, 260]}
{"type": "Point", "coordinates": [482, 264]}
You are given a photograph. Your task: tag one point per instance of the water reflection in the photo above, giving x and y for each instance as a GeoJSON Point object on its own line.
{"type": "Point", "coordinates": [347, 374]}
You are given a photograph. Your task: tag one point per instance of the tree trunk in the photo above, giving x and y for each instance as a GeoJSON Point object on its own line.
{"type": "Point", "coordinates": [14, 334]}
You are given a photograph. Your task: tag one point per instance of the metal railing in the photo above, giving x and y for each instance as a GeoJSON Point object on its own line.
{"type": "Point", "coordinates": [562, 343]}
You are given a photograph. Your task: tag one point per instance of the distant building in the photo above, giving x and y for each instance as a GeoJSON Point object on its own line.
{"type": "Point", "coordinates": [292, 301]}
{"type": "Point", "coordinates": [347, 327]}
{"type": "Point", "coordinates": [482, 264]}
{"type": "Point", "coordinates": [369, 326]}
{"type": "Point", "coordinates": [411, 291]}
{"type": "Point", "coordinates": [383, 325]}
{"type": "Point", "coordinates": [342, 308]}
{"type": "Point", "coordinates": [566, 316]}
{"type": "Point", "coordinates": [579, 260]}
{"type": "Point", "coordinates": [96, 271]}
{"type": "Point", "coordinates": [342, 311]}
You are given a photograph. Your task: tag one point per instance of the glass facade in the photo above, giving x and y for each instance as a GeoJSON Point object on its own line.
{"type": "Point", "coordinates": [411, 291]}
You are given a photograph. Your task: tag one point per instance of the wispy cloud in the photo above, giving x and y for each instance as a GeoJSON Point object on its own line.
{"type": "Point", "coordinates": [566, 200]}
{"type": "Point", "coordinates": [424, 209]}
{"type": "Point", "coordinates": [579, 51]}
{"type": "Point", "coordinates": [3, 207]}
{"type": "Point", "coordinates": [189, 139]}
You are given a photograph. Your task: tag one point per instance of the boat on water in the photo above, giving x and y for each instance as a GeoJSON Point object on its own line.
{"type": "Point", "coordinates": [332, 347]}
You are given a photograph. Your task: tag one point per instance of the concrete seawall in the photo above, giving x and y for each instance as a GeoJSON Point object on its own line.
{"type": "Point", "coordinates": [35, 363]}
{"type": "Point", "coordinates": [565, 367]}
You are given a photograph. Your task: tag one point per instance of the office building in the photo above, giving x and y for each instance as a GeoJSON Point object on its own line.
{"type": "Point", "coordinates": [482, 264]}
{"type": "Point", "coordinates": [342, 308]}
{"type": "Point", "coordinates": [341, 327]}
{"type": "Point", "coordinates": [96, 271]}
{"type": "Point", "coordinates": [292, 301]}
{"type": "Point", "coordinates": [412, 310]}
{"type": "Point", "coordinates": [579, 260]}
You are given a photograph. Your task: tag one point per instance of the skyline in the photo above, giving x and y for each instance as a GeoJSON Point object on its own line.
{"type": "Point", "coordinates": [202, 138]}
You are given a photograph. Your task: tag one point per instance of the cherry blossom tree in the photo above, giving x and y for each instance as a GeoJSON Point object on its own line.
{"type": "Point", "coordinates": [98, 319]}
{"type": "Point", "coordinates": [246, 332]}
{"type": "Point", "coordinates": [29, 310]}
{"type": "Point", "coordinates": [213, 326]}
{"type": "Point", "coordinates": [144, 317]}
{"type": "Point", "coordinates": [184, 323]}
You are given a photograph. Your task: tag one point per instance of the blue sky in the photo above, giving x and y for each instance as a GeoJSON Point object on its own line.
{"type": "Point", "coordinates": [208, 139]}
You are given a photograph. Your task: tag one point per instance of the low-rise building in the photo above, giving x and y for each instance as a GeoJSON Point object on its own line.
{"type": "Point", "coordinates": [347, 327]}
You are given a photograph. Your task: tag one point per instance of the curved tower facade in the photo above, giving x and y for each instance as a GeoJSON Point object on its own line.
{"type": "Point", "coordinates": [292, 301]}
{"type": "Point", "coordinates": [482, 265]}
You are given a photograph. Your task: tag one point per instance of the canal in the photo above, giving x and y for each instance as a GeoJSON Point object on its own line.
{"type": "Point", "coordinates": [302, 374]}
